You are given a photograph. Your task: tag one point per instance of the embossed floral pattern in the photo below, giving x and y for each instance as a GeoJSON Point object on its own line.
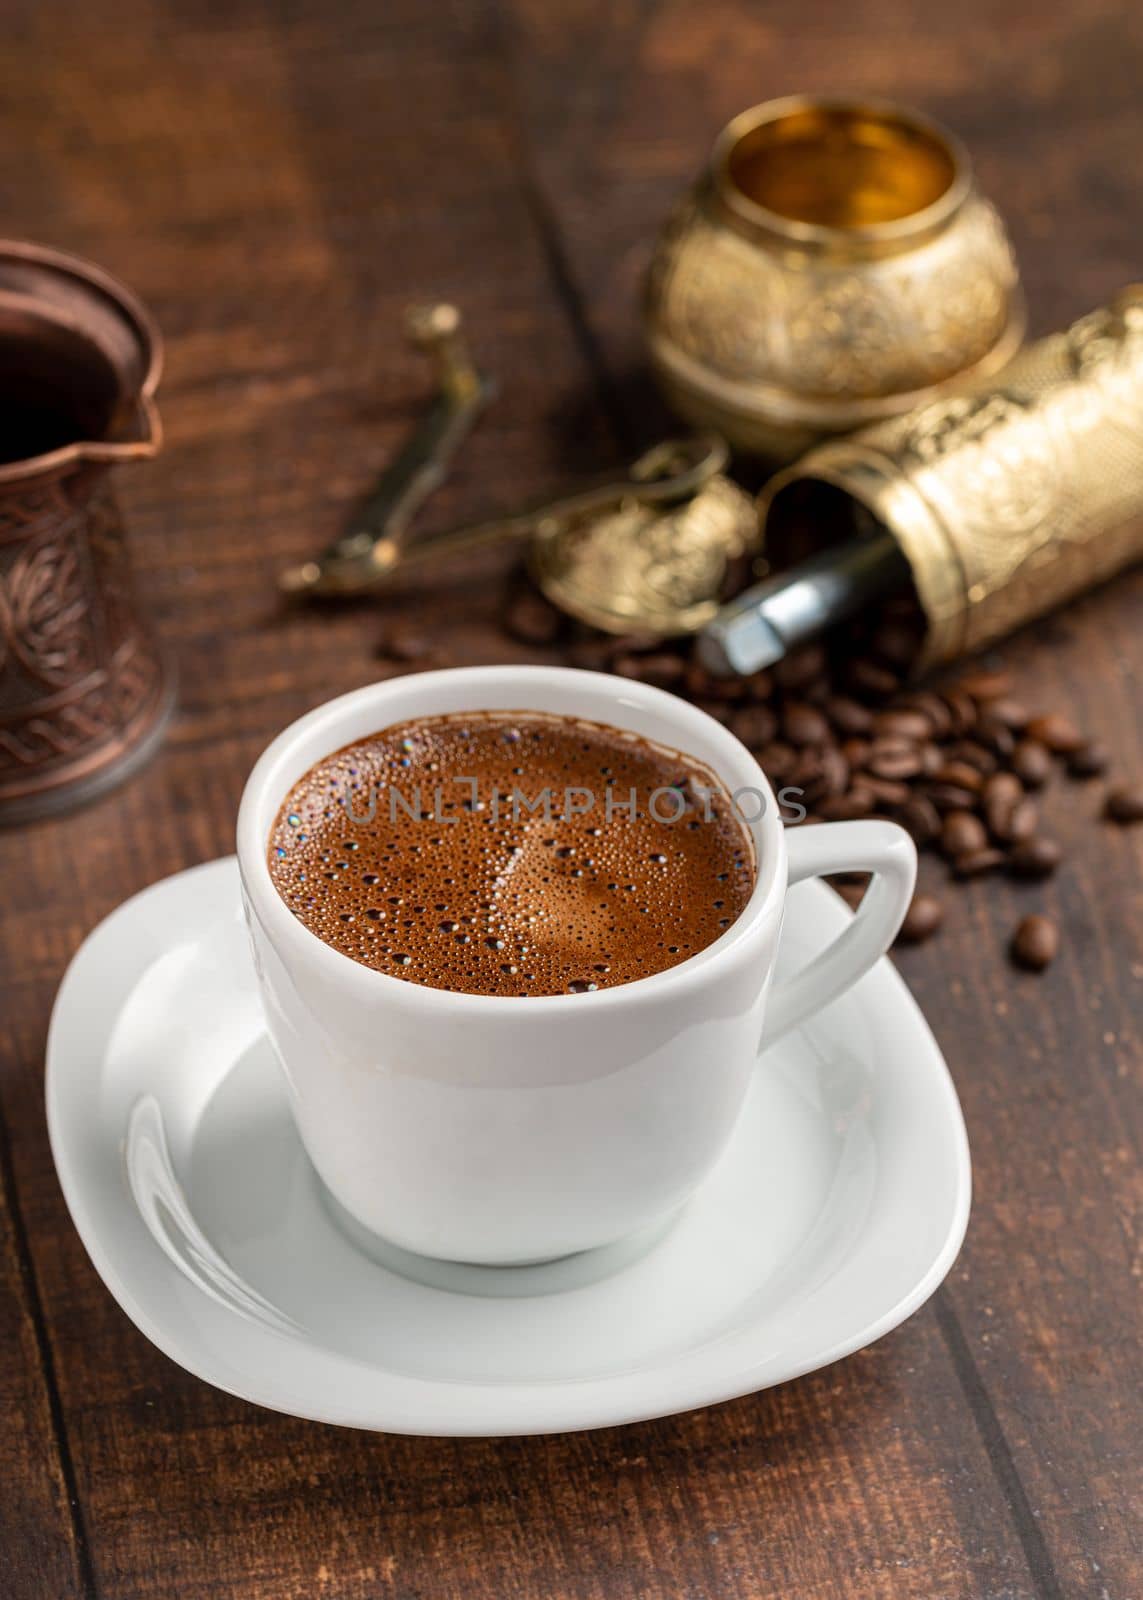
{"type": "Point", "coordinates": [816, 327]}
{"type": "Point", "coordinates": [75, 672]}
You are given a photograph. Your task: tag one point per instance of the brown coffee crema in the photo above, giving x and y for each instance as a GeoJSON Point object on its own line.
{"type": "Point", "coordinates": [512, 853]}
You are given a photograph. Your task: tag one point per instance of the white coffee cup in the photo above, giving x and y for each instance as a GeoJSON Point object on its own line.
{"type": "Point", "coordinates": [488, 1129]}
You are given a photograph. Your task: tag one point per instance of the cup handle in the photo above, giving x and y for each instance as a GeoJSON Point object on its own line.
{"type": "Point", "coordinates": [881, 848]}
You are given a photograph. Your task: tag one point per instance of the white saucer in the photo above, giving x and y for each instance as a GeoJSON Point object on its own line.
{"type": "Point", "coordinates": [836, 1211]}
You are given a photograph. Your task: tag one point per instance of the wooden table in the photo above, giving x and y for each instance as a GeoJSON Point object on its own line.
{"type": "Point", "coordinates": [277, 182]}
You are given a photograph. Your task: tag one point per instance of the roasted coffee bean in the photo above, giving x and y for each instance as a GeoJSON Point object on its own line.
{"type": "Point", "coordinates": [402, 644]}
{"type": "Point", "coordinates": [932, 759]}
{"type": "Point", "coordinates": [1010, 712]}
{"type": "Point", "coordinates": [856, 751]}
{"type": "Point", "coordinates": [835, 770]}
{"type": "Point", "coordinates": [846, 807]}
{"type": "Point", "coordinates": [755, 725]}
{"type": "Point", "coordinates": [1021, 823]}
{"type": "Point", "coordinates": [950, 797]}
{"type": "Point", "coordinates": [996, 735]}
{"type": "Point", "coordinates": [1037, 857]}
{"type": "Point", "coordinates": [759, 685]}
{"type": "Point", "coordinates": [801, 667]}
{"type": "Point", "coordinates": [1035, 943]}
{"type": "Point", "coordinates": [808, 774]}
{"type": "Point", "coordinates": [902, 725]}
{"type": "Point", "coordinates": [658, 668]}
{"type": "Point", "coordinates": [696, 678]}
{"type": "Point", "coordinates": [921, 818]}
{"type": "Point", "coordinates": [1056, 731]}
{"type": "Point", "coordinates": [985, 685]}
{"type": "Point", "coordinates": [887, 792]}
{"type": "Point", "coordinates": [803, 724]}
{"type": "Point", "coordinates": [869, 678]}
{"type": "Point", "coordinates": [1002, 793]}
{"type": "Point", "coordinates": [1125, 805]}
{"type": "Point", "coordinates": [1091, 760]}
{"type": "Point", "coordinates": [703, 685]}
{"type": "Point", "coordinates": [824, 771]}
{"type": "Point", "coordinates": [975, 863]}
{"type": "Point", "coordinates": [847, 716]}
{"type": "Point", "coordinates": [962, 833]}
{"type": "Point", "coordinates": [922, 919]}
{"type": "Point", "coordinates": [894, 758]}
{"type": "Point", "coordinates": [961, 773]}
{"type": "Point", "coordinates": [962, 712]}
{"type": "Point", "coordinates": [975, 755]}
{"type": "Point", "coordinates": [778, 760]}
{"type": "Point", "coordinates": [532, 619]}
{"type": "Point", "coordinates": [1032, 763]}
{"type": "Point", "coordinates": [718, 709]}
{"type": "Point", "coordinates": [932, 708]}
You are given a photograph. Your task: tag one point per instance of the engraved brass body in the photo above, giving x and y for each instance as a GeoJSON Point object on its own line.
{"type": "Point", "coordinates": [1007, 497]}
{"type": "Point", "coordinates": [834, 266]}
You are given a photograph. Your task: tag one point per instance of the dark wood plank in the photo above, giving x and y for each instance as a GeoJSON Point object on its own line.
{"type": "Point", "coordinates": [43, 1552]}
{"type": "Point", "coordinates": [278, 185]}
{"type": "Point", "coordinates": [1045, 1296]}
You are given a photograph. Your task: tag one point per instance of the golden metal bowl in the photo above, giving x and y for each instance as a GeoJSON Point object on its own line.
{"type": "Point", "coordinates": [835, 265]}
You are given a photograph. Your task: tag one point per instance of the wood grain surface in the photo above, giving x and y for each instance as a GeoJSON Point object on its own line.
{"type": "Point", "coordinates": [278, 181]}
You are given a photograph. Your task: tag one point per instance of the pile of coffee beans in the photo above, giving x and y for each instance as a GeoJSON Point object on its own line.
{"type": "Point", "coordinates": [959, 764]}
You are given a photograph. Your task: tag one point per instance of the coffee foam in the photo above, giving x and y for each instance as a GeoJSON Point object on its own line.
{"type": "Point", "coordinates": [384, 853]}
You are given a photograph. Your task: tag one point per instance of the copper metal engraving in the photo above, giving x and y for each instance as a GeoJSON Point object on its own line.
{"type": "Point", "coordinates": [83, 689]}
